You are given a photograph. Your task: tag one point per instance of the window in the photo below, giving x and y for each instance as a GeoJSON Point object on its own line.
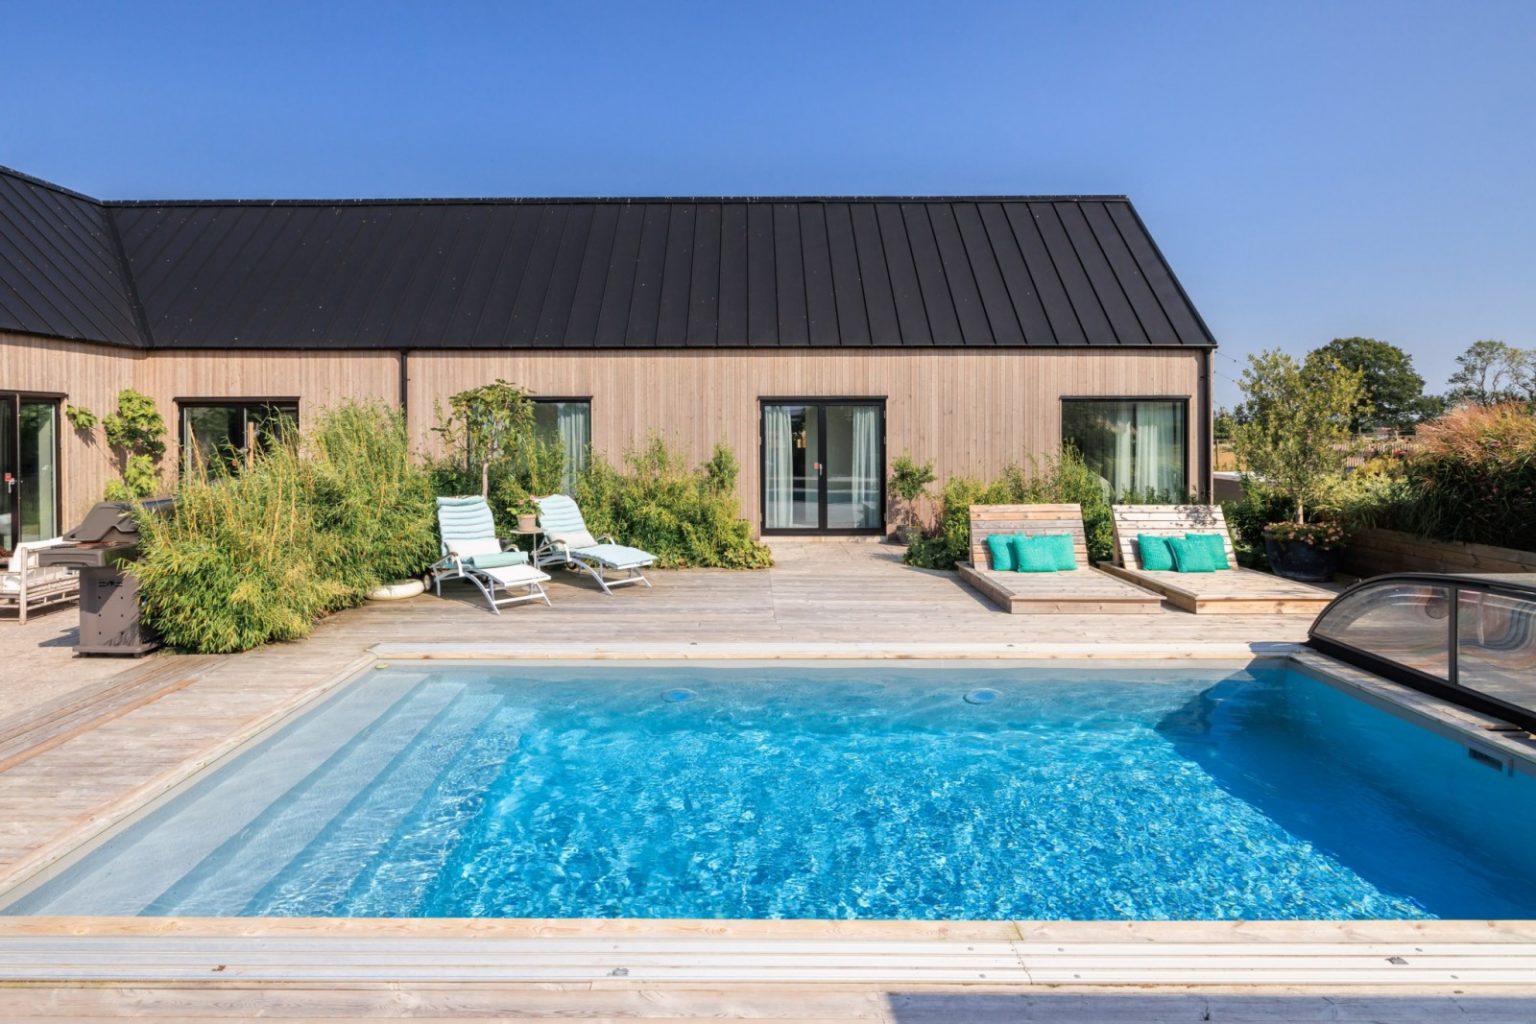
{"type": "Point", "coordinates": [1136, 446]}
{"type": "Point", "coordinates": [567, 424]}
{"type": "Point", "coordinates": [223, 433]}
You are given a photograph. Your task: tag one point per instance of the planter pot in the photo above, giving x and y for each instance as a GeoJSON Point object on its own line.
{"type": "Point", "coordinates": [527, 523]}
{"type": "Point", "coordinates": [1306, 563]}
{"type": "Point", "coordinates": [399, 590]}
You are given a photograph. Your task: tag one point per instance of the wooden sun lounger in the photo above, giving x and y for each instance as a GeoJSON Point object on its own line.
{"type": "Point", "coordinates": [1234, 591]}
{"type": "Point", "coordinates": [1081, 591]}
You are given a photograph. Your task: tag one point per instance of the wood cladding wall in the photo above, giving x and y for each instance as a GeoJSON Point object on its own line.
{"type": "Point", "coordinates": [969, 411]}
{"type": "Point", "coordinates": [92, 375]}
{"type": "Point", "coordinates": [81, 374]}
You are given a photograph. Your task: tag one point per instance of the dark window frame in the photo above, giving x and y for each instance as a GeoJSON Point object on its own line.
{"type": "Point", "coordinates": [821, 530]}
{"type": "Point", "coordinates": [1183, 401]}
{"type": "Point", "coordinates": [244, 403]}
{"type": "Point", "coordinates": [572, 399]}
{"type": "Point", "coordinates": [60, 401]}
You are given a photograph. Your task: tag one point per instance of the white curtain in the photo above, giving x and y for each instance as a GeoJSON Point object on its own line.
{"type": "Point", "coordinates": [778, 468]}
{"type": "Point", "coordinates": [573, 423]}
{"type": "Point", "coordinates": [867, 470]}
{"type": "Point", "coordinates": [1157, 450]}
{"type": "Point", "coordinates": [1122, 469]}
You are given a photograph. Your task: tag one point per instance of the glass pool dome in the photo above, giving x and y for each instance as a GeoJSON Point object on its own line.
{"type": "Point", "coordinates": [1468, 638]}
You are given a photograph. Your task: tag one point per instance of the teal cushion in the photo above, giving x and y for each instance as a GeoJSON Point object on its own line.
{"type": "Point", "coordinates": [497, 561]}
{"type": "Point", "coordinates": [1060, 547]}
{"type": "Point", "coordinates": [1155, 555]}
{"type": "Point", "coordinates": [1032, 554]}
{"type": "Point", "coordinates": [1215, 548]}
{"type": "Point", "coordinates": [1190, 555]}
{"type": "Point", "coordinates": [1001, 550]}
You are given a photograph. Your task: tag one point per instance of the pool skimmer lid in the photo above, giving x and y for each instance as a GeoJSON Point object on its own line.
{"type": "Point", "coordinates": [983, 696]}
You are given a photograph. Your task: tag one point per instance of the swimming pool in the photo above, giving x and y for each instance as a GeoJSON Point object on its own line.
{"type": "Point", "coordinates": [857, 791]}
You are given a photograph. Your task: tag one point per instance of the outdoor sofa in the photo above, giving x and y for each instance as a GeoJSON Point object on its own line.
{"type": "Point", "coordinates": [27, 586]}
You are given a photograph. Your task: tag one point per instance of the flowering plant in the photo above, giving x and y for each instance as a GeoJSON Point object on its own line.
{"type": "Point", "coordinates": [1325, 535]}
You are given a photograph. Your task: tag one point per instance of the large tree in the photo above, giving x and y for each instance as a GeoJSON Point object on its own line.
{"type": "Point", "coordinates": [1394, 391]}
{"type": "Point", "coordinates": [1491, 372]}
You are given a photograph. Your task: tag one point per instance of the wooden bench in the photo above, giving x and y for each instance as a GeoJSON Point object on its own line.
{"type": "Point", "coordinates": [1234, 591]}
{"type": "Point", "coordinates": [1081, 591]}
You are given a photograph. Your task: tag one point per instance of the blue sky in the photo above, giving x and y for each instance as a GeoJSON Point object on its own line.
{"type": "Point", "coordinates": [1312, 170]}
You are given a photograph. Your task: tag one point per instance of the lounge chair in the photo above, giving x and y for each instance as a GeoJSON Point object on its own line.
{"type": "Point", "coordinates": [568, 542]}
{"type": "Point", "coordinates": [1081, 591]}
{"type": "Point", "coordinates": [1233, 591]}
{"type": "Point", "coordinates": [471, 551]}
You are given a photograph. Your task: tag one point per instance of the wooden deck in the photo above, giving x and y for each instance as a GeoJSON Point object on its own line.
{"type": "Point", "coordinates": [87, 752]}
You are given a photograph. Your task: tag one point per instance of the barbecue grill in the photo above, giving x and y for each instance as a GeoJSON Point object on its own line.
{"type": "Point", "coordinates": [102, 549]}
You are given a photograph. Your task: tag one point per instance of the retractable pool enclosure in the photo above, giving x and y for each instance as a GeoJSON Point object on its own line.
{"type": "Point", "coordinates": [1470, 639]}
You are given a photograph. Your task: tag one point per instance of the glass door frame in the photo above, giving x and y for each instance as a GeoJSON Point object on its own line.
{"type": "Point", "coordinates": [820, 404]}
{"type": "Point", "coordinates": [12, 495]}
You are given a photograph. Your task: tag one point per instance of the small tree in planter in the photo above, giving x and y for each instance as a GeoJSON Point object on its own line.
{"type": "Point", "coordinates": [488, 423]}
{"type": "Point", "coordinates": [908, 482]}
{"type": "Point", "coordinates": [1297, 438]}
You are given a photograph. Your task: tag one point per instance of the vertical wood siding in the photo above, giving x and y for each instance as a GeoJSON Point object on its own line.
{"type": "Point", "coordinates": [89, 376]}
{"type": "Point", "coordinates": [970, 412]}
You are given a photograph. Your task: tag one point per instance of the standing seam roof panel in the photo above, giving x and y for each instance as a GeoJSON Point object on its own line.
{"type": "Point", "coordinates": [588, 273]}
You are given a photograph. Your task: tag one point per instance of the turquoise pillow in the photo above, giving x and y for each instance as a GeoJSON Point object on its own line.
{"type": "Point", "coordinates": [1190, 555]}
{"type": "Point", "coordinates": [1001, 552]}
{"type": "Point", "coordinates": [1032, 554]}
{"type": "Point", "coordinates": [1215, 548]}
{"type": "Point", "coordinates": [1155, 555]}
{"type": "Point", "coordinates": [1060, 547]}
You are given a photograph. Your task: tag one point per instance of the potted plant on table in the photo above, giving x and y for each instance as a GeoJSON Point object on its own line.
{"type": "Point", "coordinates": [1295, 436]}
{"type": "Point", "coordinates": [908, 482]}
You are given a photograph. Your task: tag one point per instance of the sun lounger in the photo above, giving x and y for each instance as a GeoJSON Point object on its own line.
{"type": "Point", "coordinates": [1081, 591]}
{"type": "Point", "coordinates": [1234, 591]}
{"type": "Point", "coordinates": [568, 542]}
{"type": "Point", "coordinates": [471, 551]}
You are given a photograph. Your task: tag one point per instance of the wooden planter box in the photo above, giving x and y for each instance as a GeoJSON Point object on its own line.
{"type": "Point", "coordinates": [1373, 552]}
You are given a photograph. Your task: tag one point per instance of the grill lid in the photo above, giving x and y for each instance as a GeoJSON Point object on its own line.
{"type": "Point", "coordinates": [112, 522]}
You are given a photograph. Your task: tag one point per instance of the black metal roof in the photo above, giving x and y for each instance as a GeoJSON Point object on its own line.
{"type": "Point", "coordinates": [61, 269]}
{"type": "Point", "coordinates": [633, 273]}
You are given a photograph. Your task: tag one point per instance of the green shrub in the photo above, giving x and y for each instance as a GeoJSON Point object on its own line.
{"type": "Point", "coordinates": [686, 517]}
{"type": "Point", "coordinates": [309, 526]}
{"type": "Point", "coordinates": [1469, 476]}
{"type": "Point", "coordinates": [1248, 516]}
{"type": "Point", "coordinates": [1062, 479]}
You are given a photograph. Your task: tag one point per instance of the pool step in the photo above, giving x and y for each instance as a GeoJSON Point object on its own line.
{"type": "Point", "coordinates": [434, 716]}
{"type": "Point", "coordinates": [317, 879]}
{"type": "Point", "coordinates": [404, 871]}
{"type": "Point", "coordinates": [146, 861]}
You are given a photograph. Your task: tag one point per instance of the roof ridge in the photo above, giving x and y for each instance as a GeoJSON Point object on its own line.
{"type": "Point", "coordinates": [32, 179]}
{"type": "Point", "coordinates": [620, 200]}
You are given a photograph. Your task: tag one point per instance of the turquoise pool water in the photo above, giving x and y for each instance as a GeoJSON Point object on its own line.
{"type": "Point", "coordinates": [849, 792]}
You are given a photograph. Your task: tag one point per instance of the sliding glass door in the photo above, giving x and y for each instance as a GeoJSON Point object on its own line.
{"type": "Point", "coordinates": [823, 466]}
{"type": "Point", "coordinates": [29, 469]}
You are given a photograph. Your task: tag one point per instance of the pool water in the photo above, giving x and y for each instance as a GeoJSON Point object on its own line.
{"type": "Point", "coordinates": [848, 792]}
